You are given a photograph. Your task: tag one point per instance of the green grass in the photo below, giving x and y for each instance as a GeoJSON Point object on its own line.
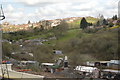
{"type": "Point", "coordinates": [117, 26]}
{"type": "Point", "coordinates": [91, 20]}
{"type": "Point", "coordinates": [76, 24]}
{"type": "Point", "coordinates": [71, 33]}
{"type": "Point", "coordinates": [68, 35]}
{"type": "Point", "coordinates": [33, 37]}
{"type": "Point", "coordinates": [45, 35]}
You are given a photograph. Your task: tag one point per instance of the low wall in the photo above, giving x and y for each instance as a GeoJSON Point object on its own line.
{"type": "Point", "coordinates": [9, 66]}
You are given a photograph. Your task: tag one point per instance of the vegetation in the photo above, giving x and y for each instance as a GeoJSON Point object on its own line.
{"type": "Point", "coordinates": [83, 23]}
{"type": "Point", "coordinates": [79, 45]}
{"type": "Point", "coordinates": [9, 48]}
{"type": "Point", "coordinates": [114, 17]}
{"type": "Point", "coordinates": [93, 47]}
{"type": "Point", "coordinates": [60, 30]}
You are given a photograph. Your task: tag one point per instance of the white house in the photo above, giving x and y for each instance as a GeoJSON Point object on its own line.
{"type": "Point", "coordinates": [85, 69]}
{"type": "Point", "coordinates": [93, 63]}
{"type": "Point", "coordinates": [114, 63]}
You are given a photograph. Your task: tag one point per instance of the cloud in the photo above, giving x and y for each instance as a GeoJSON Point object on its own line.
{"type": "Point", "coordinates": [10, 8]}
{"type": "Point", "coordinates": [36, 10]}
{"type": "Point", "coordinates": [34, 2]}
{"type": "Point", "coordinates": [12, 15]}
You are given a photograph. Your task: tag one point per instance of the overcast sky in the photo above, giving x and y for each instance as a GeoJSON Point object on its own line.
{"type": "Point", "coordinates": [20, 11]}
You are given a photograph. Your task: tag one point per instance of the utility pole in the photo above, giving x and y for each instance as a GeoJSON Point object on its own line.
{"type": "Point", "coordinates": [119, 9]}
{"type": "Point", "coordinates": [2, 17]}
{"type": "Point", "coordinates": [4, 68]}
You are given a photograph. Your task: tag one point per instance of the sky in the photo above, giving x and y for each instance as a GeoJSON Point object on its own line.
{"type": "Point", "coordinates": [21, 11]}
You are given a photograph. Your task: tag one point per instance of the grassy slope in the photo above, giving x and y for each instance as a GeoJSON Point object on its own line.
{"type": "Point", "coordinates": [70, 34]}
{"type": "Point", "coordinates": [89, 19]}
{"type": "Point", "coordinates": [76, 24]}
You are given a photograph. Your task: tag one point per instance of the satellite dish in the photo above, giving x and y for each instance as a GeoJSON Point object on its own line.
{"type": "Point", "coordinates": [2, 17]}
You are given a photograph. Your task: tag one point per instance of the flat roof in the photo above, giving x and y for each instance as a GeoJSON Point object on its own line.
{"type": "Point", "coordinates": [99, 61]}
{"type": "Point", "coordinates": [111, 70]}
{"type": "Point", "coordinates": [49, 64]}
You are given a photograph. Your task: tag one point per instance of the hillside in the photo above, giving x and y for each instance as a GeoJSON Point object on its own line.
{"type": "Point", "coordinates": [79, 45]}
{"type": "Point", "coordinates": [75, 43]}
{"type": "Point", "coordinates": [76, 23]}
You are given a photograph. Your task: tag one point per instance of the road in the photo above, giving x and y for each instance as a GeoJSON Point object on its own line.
{"type": "Point", "coordinates": [15, 74]}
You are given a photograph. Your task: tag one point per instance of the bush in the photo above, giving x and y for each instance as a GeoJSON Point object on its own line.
{"type": "Point", "coordinates": [89, 30]}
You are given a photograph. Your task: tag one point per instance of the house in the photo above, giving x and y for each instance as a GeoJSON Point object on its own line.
{"type": "Point", "coordinates": [114, 63]}
{"type": "Point", "coordinates": [91, 27]}
{"type": "Point", "coordinates": [115, 22]}
{"type": "Point", "coordinates": [58, 52]}
{"type": "Point", "coordinates": [29, 64]}
{"type": "Point", "coordinates": [111, 70]}
{"type": "Point", "coordinates": [6, 24]}
{"type": "Point", "coordinates": [111, 63]}
{"type": "Point", "coordinates": [97, 63]}
{"type": "Point", "coordinates": [85, 69]}
{"type": "Point", "coordinates": [46, 66]}
{"type": "Point", "coordinates": [54, 22]}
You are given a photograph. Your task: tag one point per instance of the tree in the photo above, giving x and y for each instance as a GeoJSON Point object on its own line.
{"type": "Point", "coordinates": [90, 24]}
{"type": "Point", "coordinates": [9, 48]}
{"type": "Point", "coordinates": [60, 29]}
{"type": "Point", "coordinates": [105, 22]}
{"type": "Point", "coordinates": [41, 27]}
{"type": "Point", "coordinates": [36, 30]}
{"type": "Point", "coordinates": [29, 22]}
{"type": "Point", "coordinates": [83, 23]}
{"type": "Point", "coordinates": [42, 53]}
{"type": "Point", "coordinates": [98, 23]}
{"type": "Point", "coordinates": [110, 24]}
{"type": "Point", "coordinates": [101, 20]}
{"type": "Point", "coordinates": [114, 17]}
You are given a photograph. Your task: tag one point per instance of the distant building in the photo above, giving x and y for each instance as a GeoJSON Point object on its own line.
{"type": "Point", "coordinates": [91, 27]}
{"type": "Point", "coordinates": [58, 52]}
{"type": "Point", "coordinates": [97, 63]}
{"type": "Point", "coordinates": [85, 69]}
{"type": "Point", "coordinates": [29, 63]}
{"type": "Point", "coordinates": [6, 24]}
{"type": "Point", "coordinates": [55, 23]}
{"type": "Point", "coordinates": [111, 63]}
{"type": "Point", "coordinates": [114, 63]}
